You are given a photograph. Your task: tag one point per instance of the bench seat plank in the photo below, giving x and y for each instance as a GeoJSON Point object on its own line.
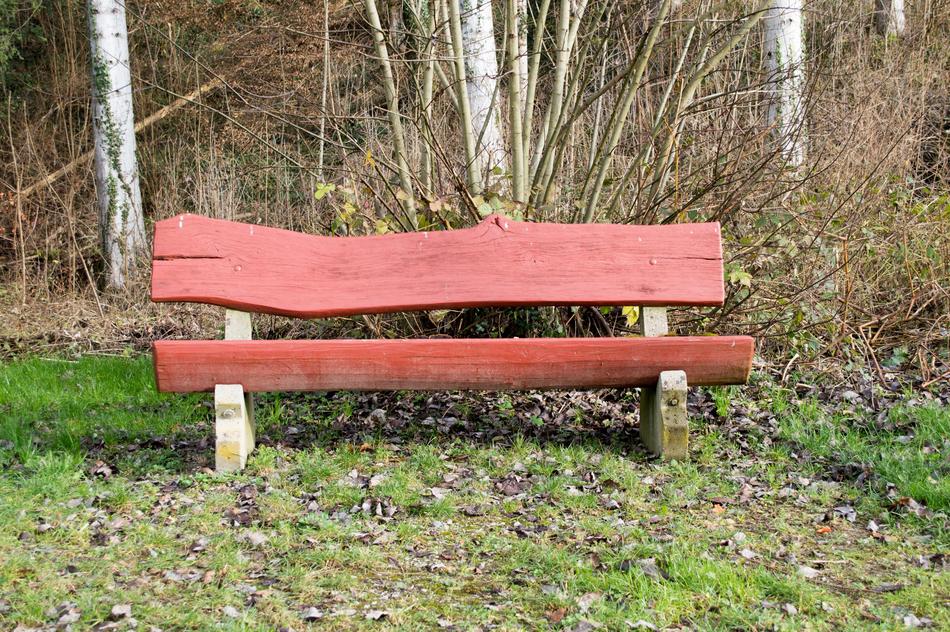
{"type": "Point", "coordinates": [499, 262]}
{"type": "Point", "coordinates": [437, 364]}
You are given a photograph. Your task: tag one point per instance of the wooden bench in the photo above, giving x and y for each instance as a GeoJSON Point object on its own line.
{"type": "Point", "coordinates": [500, 262]}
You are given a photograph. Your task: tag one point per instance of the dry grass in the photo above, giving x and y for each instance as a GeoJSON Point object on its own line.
{"type": "Point", "coordinates": [849, 258]}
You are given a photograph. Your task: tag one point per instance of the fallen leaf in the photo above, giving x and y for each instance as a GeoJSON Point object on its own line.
{"type": "Point", "coordinates": [172, 576]}
{"type": "Point", "coordinates": [650, 569]}
{"type": "Point", "coordinates": [71, 616]}
{"type": "Point", "coordinates": [231, 612]}
{"type": "Point", "coordinates": [312, 614]}
{"type": "Point", "coordinates": [587, 600]}
{"type": "Point", "coordinates": [911, 620]}
{"type": "Point", "coordinates": [808, 572]}
{"type": "Point", "coordinates": [386, 537]}
{"type": "Point", "coordinates": [255, 538]}
{"type": "Point", "coordinates": [121, 611]}
{"type": "Point", "coordinates": [555, 615]}
{"type": "Point", "coordinates": [912, 506]}
{"type": "Point", "coordinates": [847, 512]}
{"type": "Point", "coordinates": [101, 469]}
{"type": "Point", "coordinates": [512, 485]}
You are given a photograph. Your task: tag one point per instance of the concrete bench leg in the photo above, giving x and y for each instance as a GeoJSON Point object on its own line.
{"type": "Point", "coordinates": [233, 408]}
{"type": "Point", "coordinates": [234, 427]}
{"type": "Point", "coordinates": [664, 427]}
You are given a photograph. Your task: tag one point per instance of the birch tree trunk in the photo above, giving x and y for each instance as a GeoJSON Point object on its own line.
{"type": "Point", "coordinates": [121, 225]}
{"type": "Point", "coordinates": [473, 175]}
{"type": "Point", "coordinates": [392, 102]}
{"type": "Point", "coordinates": [675, 5]}
{"type": "Point", "coordinates": [522, 18]}
{"type": "Point", "coordinates": [785, 62]}
{"type": "Point", "coordinates": [481, 78]}
{"type": "Point", "coordinates": [889, 17]}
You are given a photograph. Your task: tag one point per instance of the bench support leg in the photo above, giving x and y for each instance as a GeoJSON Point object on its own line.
{"type": "Point", "coordinates": [664, 427]}
{"type": "Point", "coordinates": [234, 428]}
{"type": "Point", "coordinates": [233, 408]}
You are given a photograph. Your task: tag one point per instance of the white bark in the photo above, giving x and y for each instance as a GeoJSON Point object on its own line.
{"type": "Point", "coordinates": [675, 5]}
{"type": "Point", "coordinates": [481, 78]}
{"type": "Point", "coordinates": [522, 17]}
{"type": "Point", "coordinates": [122, 227]}
{"type": "Point", "coordinates": [326, 84]}
{"type": "Point", "coordinates": [785, 62]}
{"type": "Point", "coordinates": [889, 17]}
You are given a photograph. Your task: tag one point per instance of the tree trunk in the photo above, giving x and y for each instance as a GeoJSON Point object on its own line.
{"type": "Point", "coordinates": [121, 225]}
{"type": "Point", "coordinates": [481, 77]}
{"type": "Point", "coordinates": [522, 18]}
{"type": "Point", "coordinates": [889, 17]}
{"type": "Point", "coordinates": [392, 110]}
{"type": "Point", "coordinates": [675, 5]}
{"type": "Point", "coordinates": [785, 62]}
{"type": "Point", "coordinates": [515, 101]}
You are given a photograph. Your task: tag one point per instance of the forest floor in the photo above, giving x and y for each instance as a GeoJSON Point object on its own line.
{"type": "Point", "coordinates": [806, 506]}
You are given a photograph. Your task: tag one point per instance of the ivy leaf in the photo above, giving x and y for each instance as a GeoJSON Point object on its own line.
{"type": "Point", "coordinates": [322, 189]}
{"type": "Point", "coordinates": [382, 226]}
{"type": "Point", "coordinates": [740, 276]}
{"type": "Point", "coordinates": [632, 314]}
{"type": "Point", "coordinates": [437, 315]}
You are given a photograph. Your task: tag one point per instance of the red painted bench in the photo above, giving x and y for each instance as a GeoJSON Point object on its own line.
{"type": "Point", "coordinates": [500, 262]}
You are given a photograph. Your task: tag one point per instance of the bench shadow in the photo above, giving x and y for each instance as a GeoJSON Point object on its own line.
{"type": "Point", "coordinates": [602, 420]}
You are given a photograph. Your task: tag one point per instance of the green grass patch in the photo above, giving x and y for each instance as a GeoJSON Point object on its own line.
{"type": "Point", "coordinates": [344, 523]}
{"type": "Point", "coordinates": [905, 450]}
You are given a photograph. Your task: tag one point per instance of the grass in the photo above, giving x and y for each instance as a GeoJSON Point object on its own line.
{"type": "Point", "coordinates": [106, 499]}
{"type": "Point", "coordinates": [907, 449]}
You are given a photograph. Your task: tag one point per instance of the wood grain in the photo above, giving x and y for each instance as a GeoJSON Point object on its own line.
{"type": "Point", "coordinates": [482, 364]}
{"type": "Point", "coordinates": [499, 262]}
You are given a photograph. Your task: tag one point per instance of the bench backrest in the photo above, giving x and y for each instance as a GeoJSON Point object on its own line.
{"type": "Point", "coordinates": [499, 262]}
